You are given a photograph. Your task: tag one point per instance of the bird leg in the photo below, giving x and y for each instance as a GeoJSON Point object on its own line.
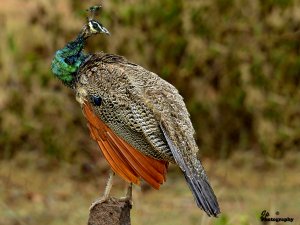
{"type": "Point", "coordinates": [106, 191]}
{"type": "Point", "coordinates": [108, 185]}
{"type": "Point", "coordinates": [128, 196]}
{"type": "Point", "coordinates": [129, 192]}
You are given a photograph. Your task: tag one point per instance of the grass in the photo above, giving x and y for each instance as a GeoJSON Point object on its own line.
{"type": "Point", "coordinates": [35, 191]}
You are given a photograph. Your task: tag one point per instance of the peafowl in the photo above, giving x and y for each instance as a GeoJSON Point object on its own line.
{"type": "Point", "coordinates": [139, 120]}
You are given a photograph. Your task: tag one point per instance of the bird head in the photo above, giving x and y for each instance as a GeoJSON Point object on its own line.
{"type": "Point", "coordinates": [93, 26]}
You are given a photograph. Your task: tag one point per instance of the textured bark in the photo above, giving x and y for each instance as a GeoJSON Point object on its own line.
{"type": "Point", "coordinates": [111, 212]}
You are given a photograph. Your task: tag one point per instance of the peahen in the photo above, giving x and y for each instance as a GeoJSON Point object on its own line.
{"type": "Point", "coordinates": [139, 120]}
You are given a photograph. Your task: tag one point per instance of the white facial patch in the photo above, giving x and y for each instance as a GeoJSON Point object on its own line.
{"type": "Point", "coordinates": [93, 26]}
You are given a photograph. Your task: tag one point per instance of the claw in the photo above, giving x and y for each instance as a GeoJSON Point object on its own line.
{"type": "Point", "coordinates": [99, 201]}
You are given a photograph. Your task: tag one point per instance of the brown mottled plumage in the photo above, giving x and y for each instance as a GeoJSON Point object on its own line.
{"type": "Point", "coordinates": [139, 120]}
{"type": "Point", "coordinates": [147, 114]}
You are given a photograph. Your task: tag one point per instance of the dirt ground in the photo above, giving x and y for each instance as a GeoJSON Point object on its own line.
{"type": "Point", "coordinates": [35, 191]}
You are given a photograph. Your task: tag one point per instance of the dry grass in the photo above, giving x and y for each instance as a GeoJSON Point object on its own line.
{"type": "Point", "coordinates": [35, 191]}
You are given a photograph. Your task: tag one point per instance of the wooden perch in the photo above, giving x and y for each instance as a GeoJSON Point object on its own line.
{"type": "Point", "coordinates": [111, 212]}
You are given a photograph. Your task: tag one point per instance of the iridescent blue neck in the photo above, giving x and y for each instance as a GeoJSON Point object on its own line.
{"type": "Point", "coordinates": [67, 60]}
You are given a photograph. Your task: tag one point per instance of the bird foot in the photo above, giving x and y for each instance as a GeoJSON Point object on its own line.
{"type": "Point", "coordinates": [105, 199]}
{"type": "Point", "coordinates": [126, 199]}
{"type": "Point", "coordinates": [98, 201]}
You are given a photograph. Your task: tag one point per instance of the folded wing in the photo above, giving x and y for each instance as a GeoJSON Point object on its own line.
{"type": "Point", "coordinates": [124, 160]}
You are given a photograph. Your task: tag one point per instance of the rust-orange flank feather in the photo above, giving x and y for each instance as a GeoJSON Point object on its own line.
{"type": "Point", "coordinates": [124, 160]}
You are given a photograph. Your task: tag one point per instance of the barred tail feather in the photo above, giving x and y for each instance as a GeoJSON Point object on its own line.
{"type": "Point", "coordinates": [198, 183]}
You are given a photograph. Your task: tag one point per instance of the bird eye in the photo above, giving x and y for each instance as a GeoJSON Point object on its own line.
{"type": "Point", "coordinates": [96, 100]}
{"type": "Point", "coordinates": [95, 25]}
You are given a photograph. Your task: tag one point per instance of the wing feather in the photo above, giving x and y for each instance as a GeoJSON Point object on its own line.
{"type": "Point", "coordinates": [139, 162]}
{"type": "Point", "coordinates": [118, 165]}
{"type": "Point", "coordinates": [125, 160]}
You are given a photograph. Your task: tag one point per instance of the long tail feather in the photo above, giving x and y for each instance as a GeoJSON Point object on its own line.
{"type": "Point", "coordinates": [196, 180]}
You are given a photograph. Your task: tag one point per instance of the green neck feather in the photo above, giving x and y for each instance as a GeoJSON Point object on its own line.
{"type": "Point", "coordinates": [67, 60]}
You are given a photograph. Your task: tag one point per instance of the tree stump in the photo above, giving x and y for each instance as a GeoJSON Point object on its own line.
{"type": "Point", "coordinates": [111, 212]}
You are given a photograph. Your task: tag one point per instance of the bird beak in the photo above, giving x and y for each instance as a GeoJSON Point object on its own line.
{"type": "Point", "coordinates": [105, 31]}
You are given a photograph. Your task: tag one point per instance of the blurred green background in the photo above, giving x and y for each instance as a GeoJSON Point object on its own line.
{"type": "Point", "coordinates": [235, 62]}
